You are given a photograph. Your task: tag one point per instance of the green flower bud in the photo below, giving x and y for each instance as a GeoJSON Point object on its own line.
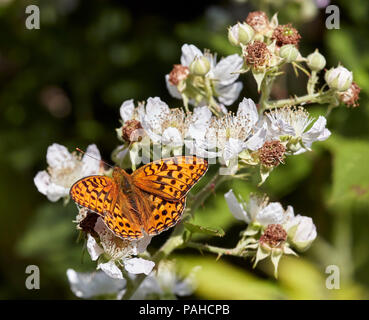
{"type": "Point", "coordinates": [288, 52]}
{"type": "Point", "coordinates": [200, 66]}
{"type": "Point", "coordinates": [339, 78]}
{"type": "Point", "coordinates": [316, 61]}
{"type": "Point", "coordinates": [240, 33]}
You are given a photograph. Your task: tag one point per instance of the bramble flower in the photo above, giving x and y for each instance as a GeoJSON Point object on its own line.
{"type": "Point", "coordinates": [230, 134]}
{"type": "Point", "coordinates": [271, 230]}
{"type": "Point", "coordinates": [64, 169]}
{"type": "Point", "coordinates": [113, 253]}
{"type": "Point", "coordinates": [215, 82]}
{"type": "Point", "coordinates": [273, 244]}
{"type": "Point", "coordinates": [256, 212]}
{"type": "Point", "coordinates": [339, 78]}
{"type": "Point", "coordinates": [290, 126]}
{"type": "Point", "coordinates": [350, 97]}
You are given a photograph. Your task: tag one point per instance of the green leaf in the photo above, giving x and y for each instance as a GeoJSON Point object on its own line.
{"type": "Point", "coordinates": [218, 232]}
{"type": "Point", "coordinates": [350, 172]}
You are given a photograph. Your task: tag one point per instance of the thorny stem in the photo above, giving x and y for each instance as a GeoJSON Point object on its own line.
{"type": "Point", "coordinates": [237, 251]}
{"type": "Point", "coordinates": [176, 238]}
{"type": "Point", "coordinates": [319, 97]}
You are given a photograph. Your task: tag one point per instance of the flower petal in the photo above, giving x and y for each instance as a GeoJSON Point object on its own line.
{"type": "Point", "coordinates": [235, 207]}
{"type": "Point", "coordinates": [42, 181]}
{"type": "Point", "coordinates": [232, 148]}
{"type": "Point", "coordinates": [224, 70]}
{"type": "Point", "coordinates": [87, 285]}
{"type": "Point", "coordinates": [273, 213]}
{"type": "Point", "coordinates": [172, 137]}
{"type": "Point", "coordinates": [91, 161]}
{"type": "Point", "coordinates": [256, 141]}
{"type": "Point", "coordinates": [59, 157]}
{"type": "Point", "coordinates": [229, 94]}
{"type": "Point", "coordinates": [189, 53]}
{"type": "Point", "coordinates": [111, 269]}
{"type": "Point", "coordinates": [172, 89]}
{"type": "Point", "coordinates": [248, 108]}
{"type": "Point", "coordinates": [126, 110]}
{"type": "Point", "coordinates": [317, 132]}
{"type": "Point", "coordinates": [93, 248]}
{"type": "Point", "coordinates": [138, 265]}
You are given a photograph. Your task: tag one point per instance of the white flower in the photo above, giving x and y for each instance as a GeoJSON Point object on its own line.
{"type": "Point", "coordinates": [88, 285]}
{"type": "Point", "coordinates": [257, 210]}
{"type": "Point", "coordinates": [301, 231]}
{"type": "Point", "coordinates": [222, 77]}
{"type": "Point", "coordinates": [229, 135]}
{"type": "Point", "coordinates": [117, 251]}
{"type": "Point", "coordinates": [65, 169]}
{"type": "Point", "coordinates": [338, 78]}
{"type": "Point", "coordinates": [290, 126]}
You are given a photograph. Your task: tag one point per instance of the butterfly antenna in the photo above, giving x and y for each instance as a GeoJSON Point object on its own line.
{"type": "Point", "coordinates": [109, 165]}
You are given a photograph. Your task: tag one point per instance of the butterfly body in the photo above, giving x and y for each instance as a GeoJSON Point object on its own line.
{"type": "Point", "coordinates": [150, 200]}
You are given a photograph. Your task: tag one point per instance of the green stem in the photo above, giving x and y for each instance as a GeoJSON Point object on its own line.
{"type": "Point", "coordinates": [313, 79]}
{"type": "Point", "coordinates": [266, 88]}
{"type": "Point", "coordinates": [238, 252]}
{"type": "Point", "coordinates": [319, 97]}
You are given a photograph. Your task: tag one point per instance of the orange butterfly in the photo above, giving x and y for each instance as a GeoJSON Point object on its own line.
{"type": "Point", "coordinates": [151, 199]}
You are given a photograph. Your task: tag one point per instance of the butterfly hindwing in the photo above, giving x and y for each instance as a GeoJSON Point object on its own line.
{"type": "Point", "coordinates": [170, 178]}
{"type": "Point", "coordinates": [163, 213]}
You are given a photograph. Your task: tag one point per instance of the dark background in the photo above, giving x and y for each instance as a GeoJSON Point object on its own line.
{"type": "Point", "coordinates": [65, 83]}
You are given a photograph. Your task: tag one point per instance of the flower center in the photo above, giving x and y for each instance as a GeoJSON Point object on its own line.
{"type": "Point", "coordinates": [274, 235]}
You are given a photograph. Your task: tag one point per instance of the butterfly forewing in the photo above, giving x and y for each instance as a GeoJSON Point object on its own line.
{"type": "Point", "coordinates": [170, 178]}
{"type": "Point", "coordinates": [95, 193]}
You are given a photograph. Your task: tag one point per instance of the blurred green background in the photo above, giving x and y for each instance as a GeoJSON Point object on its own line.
{"type": "Point", "coordinates": [65, 82]}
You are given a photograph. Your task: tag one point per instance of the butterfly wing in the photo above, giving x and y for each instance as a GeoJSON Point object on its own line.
{"type": "Point", "coordinates": [101, 194]}
{"type": "Point", "coordinates": [171, 178]}
{"type": "Point", "coordinates": [162, 214]}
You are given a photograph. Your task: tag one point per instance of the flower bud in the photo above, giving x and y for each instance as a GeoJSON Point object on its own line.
{"type": "Point", "coordinates": [240, 33]}
{"type": "Point", "coordinates": [316, 61]}
{"type": "Point", "coordinates": [200, 66]}
{"type": "Point", "coordinates": [338, 78]}
{"type": "Point", "coordinates": [289, 52]}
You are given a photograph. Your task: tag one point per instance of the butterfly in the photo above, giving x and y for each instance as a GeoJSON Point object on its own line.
{"type": "Point", "coordinates": [150, 200]}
